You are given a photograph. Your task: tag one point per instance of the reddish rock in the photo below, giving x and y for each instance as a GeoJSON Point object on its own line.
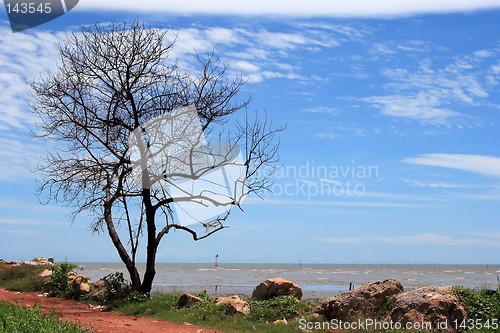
{"type": "Point", "coordinates": [428, 305]}
{"type": "Point", "coordinates": [235, 305]}
{"type": "Point", "coordinates": [83, 288]}
{"type": "Point", "coordinates": [79, 283]}
{"type": "Point", "coordinates": [363, 301]}
{"type": "Point", "coordinates": [188, 300]}
{"type": "Point", "coordinates": [276, 287]}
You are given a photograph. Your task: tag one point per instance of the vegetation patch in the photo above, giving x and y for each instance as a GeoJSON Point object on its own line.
{"type": "Point", "coordinates": [22, 277]}
{"type": "Point", "coordinates": [480, 305]}
{"type": "Point", "coordinates": [58, 284]}
{"type": "Point", "coordinates": [14, 319]}
{"type": "Point", "coordinates": [276, 315]}
{"type": "Point", "coordinates": [280, 314]}
{"type": "Point", "coordinates": [385, 309]}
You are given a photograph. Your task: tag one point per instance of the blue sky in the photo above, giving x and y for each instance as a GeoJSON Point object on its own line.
{"type": "Point", "coordinates": [391, 152]}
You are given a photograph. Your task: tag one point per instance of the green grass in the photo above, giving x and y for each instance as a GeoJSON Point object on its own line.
{"type": "Point", "coordinates": [208, 314]}
{"type": "Point", "coordinates": [22, 278]}
{"type": "Point", "coordinates": [15, 319]}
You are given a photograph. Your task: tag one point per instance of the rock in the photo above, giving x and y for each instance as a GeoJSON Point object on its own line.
{"type": "Point", "coordinates": [428, 304]}
{"type": "Point", "coordinates": [38, 261]}
{"type": "Point", "coordinates": [80, 278]}
{"type": "Point", "coordinates": [235, 305]}
{"type": "Point", "coordinates": [276, 287]}
{"type": "Point", "coordinates": [280, 322]}
{"type": "Point", "coordinates": [99, 289]}
{"type": "Point", "coordinates": [188, 300]}
{"type": "Point", "coordinates": [79, 283]}
{"type": "Point", "coordinates": [83, 288]}
{"type": "Point", "coordinates": [46, 275]}
{"type": "Point", "coordinates": [100, 284]}
{"type": "Point", "coordinates": [42, 261]}
{"type": "Point", "coordinates": [71, 276]}
{"type": "Point", "coordinates": [74, 278]}
{"type": "Point", "coordinates": [363, 301]}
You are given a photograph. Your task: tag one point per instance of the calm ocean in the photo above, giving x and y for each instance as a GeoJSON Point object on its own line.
{"type": "Point", "coordinates": [317, 280]}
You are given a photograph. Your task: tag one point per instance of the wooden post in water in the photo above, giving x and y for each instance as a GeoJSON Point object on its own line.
{"type": "Point", "coordinates": [216, 260]}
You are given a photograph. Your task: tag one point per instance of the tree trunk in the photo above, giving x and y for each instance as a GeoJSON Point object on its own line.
{"type": "Point", "coordinates": [149, 274]}
{"type": "Point", "coordinates": [122, 252]}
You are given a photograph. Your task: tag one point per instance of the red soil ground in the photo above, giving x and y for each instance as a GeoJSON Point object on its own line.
{"type": "Point", "coordinates": [97, 321]}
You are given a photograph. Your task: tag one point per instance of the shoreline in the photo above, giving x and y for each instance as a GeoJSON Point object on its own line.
{"type": "Point", "coordinates": [318, 281]}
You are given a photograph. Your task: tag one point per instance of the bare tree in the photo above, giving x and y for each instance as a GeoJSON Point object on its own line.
{"type": "Point", "coordinates": [128, 147]}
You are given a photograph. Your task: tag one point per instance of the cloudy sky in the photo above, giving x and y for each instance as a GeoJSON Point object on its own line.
{"type": "Point", "coordinates": [391, 152]}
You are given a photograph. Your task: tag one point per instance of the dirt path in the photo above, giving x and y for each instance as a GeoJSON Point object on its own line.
{"type": "Point", "coordinates": [84, 315]}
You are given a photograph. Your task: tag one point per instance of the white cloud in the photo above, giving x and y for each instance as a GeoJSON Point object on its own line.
{"type": "Point", "coordinates": [299, 8]}
{"type": "Point", "coordinates": [245, 66]}
{"type": "Point", "coordinates": [437, 184]}
{"type": "Point", "coordinates": [18, 157]}
{"type": "Point", "coordinates": [223, 35]}
{"type": "Point", "coordinates": [30, 221]}
{"type": "Point", "coordinates": [257, 54]}
{"type": "Point", "coordinates": [334, 203]}
{"type": "Point", "coordinates": [323, 109]}
{"type": "Point", "coordinates": [19, 233]}
{"type": "Point", "coordinates": [328, 135]}
{"type": "Point", "coordinates": [23, 56]}
{"type": "Point", "coordinates": [382, 48]}
{"type": "Point", "coordinates": [435, 95]}
{"type": "Point", "coordinates": [423, 107]}
{"type": "Point", "coordinates": [480, 164]}
{"type": "Point", "coordinates": [484, 54]}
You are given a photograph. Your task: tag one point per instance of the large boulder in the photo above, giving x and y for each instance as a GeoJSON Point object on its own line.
{"type": "Point", "coordinates": [235, 305]}
{"type": "Point", "coordinates": [188, 300]}
{"type": "Point", "coordinates": [428, 305]}
{"type": "Point", "coordinates": [79, 283]}
{"type": "Point", "coordinates": [276, 287]}
{"type": "Point", "coordinates": [363, 301]}
{"type": "Point", "coordinates": [83, 288]}
{"type": "Point", "coordinates": [78, 279]}
{"type": "Point", "coordinates": [99, 289]}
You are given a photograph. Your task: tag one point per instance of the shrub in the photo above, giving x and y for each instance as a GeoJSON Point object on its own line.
{"type": "Point", "coordinates": [115, 286]}
{"type": "Point", "coordinates": [287, 307]}
{"type": "Point", "coordinates": [482, 305]}
{"type": "Point", "coordinates": [136, 297]}
{"type": "Point", "coordinates": [58, 284]}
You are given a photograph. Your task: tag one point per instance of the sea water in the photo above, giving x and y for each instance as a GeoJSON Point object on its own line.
{"type": "Point", "coordinates": [316, 280]}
